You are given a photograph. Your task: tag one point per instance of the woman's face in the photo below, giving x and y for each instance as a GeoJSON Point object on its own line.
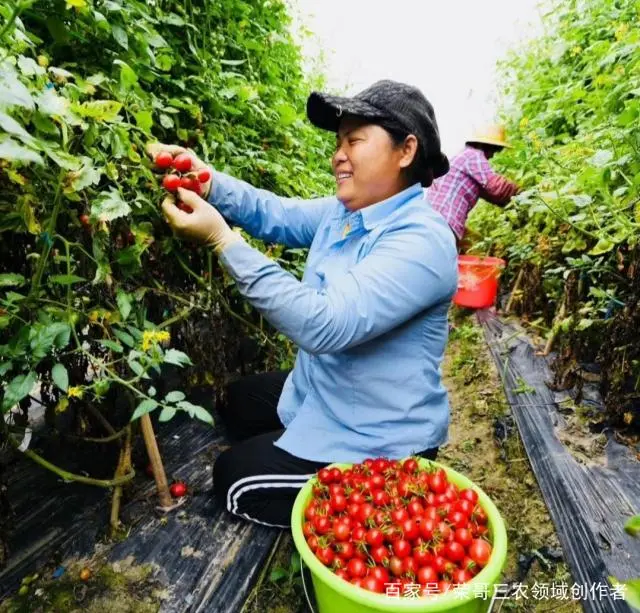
{"type": "Point", "coordinates": [367, 166]}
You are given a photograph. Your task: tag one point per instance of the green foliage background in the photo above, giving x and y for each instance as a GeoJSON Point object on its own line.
{"type": "Point", "coordinates": [84, 85]}
{"type": "Point", "coordinates": [572, 108]}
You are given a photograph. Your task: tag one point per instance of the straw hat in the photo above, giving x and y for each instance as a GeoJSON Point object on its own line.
{"type": "Point", "coordinates": [490, 135]}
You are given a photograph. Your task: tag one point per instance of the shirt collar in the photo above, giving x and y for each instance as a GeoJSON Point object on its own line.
{"type": "Point", "coordinates": [374, 214]}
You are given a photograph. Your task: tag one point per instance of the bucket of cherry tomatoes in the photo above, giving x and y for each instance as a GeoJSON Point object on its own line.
{"type": "Point", "coordinates": [399, 536]}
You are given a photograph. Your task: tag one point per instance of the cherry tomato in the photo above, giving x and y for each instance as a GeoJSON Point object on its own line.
{"type": "Point", "coordinates": [308, 529]}
{"type": "Point", "coordinates": [375, 537]}
{"type": "Point", "coordinates": [345, 550]}
{"type": "Point", "coordinates": [480, 552]}
{"type": "Point", "coordinates": [426, 574]}
{"type": "Point", "coordinates": [204, 175]}
{"type": "Point", "coordinates": [463, 536]}
{"type": "Point", "coordinates": [399, 515]}
{"type": "Point", "coordinates": [410, 529]}
{"type": "Point", "coordinates": [85, 220]}
{"type": "Point", "coordinates": [396, 567]}
{"type": "Point", "coordinates": [343, 574]}
{"type": "Point", "coordinates": [338, 503]}
{"type": "Point", "coordinates": [171, 182]}
{"type": "Point", "coordinates": [438, 481]}
{"type": "Point", "coordinates": [402, 548]}
{"type": "Point", "coordinates": [356, 568]}
{"type": "Point", "coordinates": [178, 489]}
{"type": "Point", "coordinates": [325, 555]}
{"type": "Point", "coordinates": [379, 573]}
{"type": "Point", "coordinates": [454, 551]}
{"type": "Point", "coordinates": [410, 466]}
{"type": "Point", "coordinates": [182, 162]}
{"type": "Point", "coordinates": [380, 555]}
{"type": "Point", "coordinates": [324, 476]}
{"type": "Point", "coordinates": [322, 524]}
{"type": "Point", "coordinates": [470, 495]}
{"type": "Point", "coordinates": [164, 159]}
{"type": "Point", "coordinates": [341, 531]}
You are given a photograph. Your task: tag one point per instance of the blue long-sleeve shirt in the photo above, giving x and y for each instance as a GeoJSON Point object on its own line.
{"type": "Point", "coordinates": [369, 317]}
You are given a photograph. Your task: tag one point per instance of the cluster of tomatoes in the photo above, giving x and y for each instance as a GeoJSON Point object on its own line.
{"type": "Point", "coordinates": [386, 524]}
{"type": "Point", "coordinates": [181, 174]}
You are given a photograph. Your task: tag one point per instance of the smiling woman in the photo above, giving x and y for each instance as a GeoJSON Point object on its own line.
{"type": "Point", "coordinates": [370, 315]}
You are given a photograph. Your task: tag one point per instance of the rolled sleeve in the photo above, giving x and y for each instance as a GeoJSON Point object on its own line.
{"type": "Point", "coordinates": [406, 272]}
{"type": "Point", "coordinates": [266, 216]}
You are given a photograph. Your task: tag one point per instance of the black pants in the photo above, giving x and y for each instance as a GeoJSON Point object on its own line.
{"type": "Point", "coordinates": [254, 479]}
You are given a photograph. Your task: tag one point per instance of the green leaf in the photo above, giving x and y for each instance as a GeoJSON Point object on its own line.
{"type": "Point", "coordinates": [17, 389]}
{"type": "Point", "coordinates": [137, 368]}
{"type": "Point", "coordinates": [604, 245]}
{"type": "Point", "coordinates": [601, 158]}
{"type": "Point", "coordinates": [195, 411]}
{"type": "Point", "coordinates": [631, 591]}
{"type": "Point", "coordinates": [100, 110]}
{"type": "Point", "coordinates": [14, 152]}
{"type": "Point", "coordinates": [60, 376]}
{"type": "Point", "coordinates": [45, 337]}
{"type": "Point", "coordinates": [49, 103]}
{"type": "Point", "coordinates": [11, 126]}
{"type": "Point", "coordinates": [66, 279]}
{"type": "Point", "coordinates": [109, 206]}
{"type": "Point", "coordinates": [128, 76]}
{"type": "Point", "coordinates": [127, 339]}
{"type": "Point", "coordinates": [167, 413]}
{"type": "Point", "coordinates": [166, 121]}
{"type": "Point", "coordinates": [87, 175]}
{"type": "Point", "coordinates": [5, 367]}
{"type": "Point", "coordinates": [12, 91]}
{"type": "Point", "coordinates": [632, 526]}
{"type": "Point", "coordinates": [29, 67]}
{"type": "Point", "coordinates": [120, 36]}
{"type": "Point", "coordinates": [11, 279]}
{"type": "Point", "coordinates": [124, 303]}
{"type": "Point", "coordinates": [143, 408]}
{"type": "Point", "coordinates": [117, 347]}
{"type": "Point", "coordinates": [173, 356]}
{"type": "Point", "coordinates": [174, 397]}
{"type": "Point", "coordinates": [144, 120]}
{"type": "Point", "coordinates": [277, 574]}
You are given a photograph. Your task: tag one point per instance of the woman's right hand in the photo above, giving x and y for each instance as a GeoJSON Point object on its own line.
{"type": "Point", "coordinates": [153, 149]}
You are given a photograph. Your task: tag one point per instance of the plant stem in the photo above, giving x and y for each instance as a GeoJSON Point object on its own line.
{"type": "Point", "coordinates": [67, 476]}
{"type": "Point", "coordinates": [156, 460]}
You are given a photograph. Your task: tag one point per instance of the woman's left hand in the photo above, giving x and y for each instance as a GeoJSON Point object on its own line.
{"type": "Point", "coordinates": [203, 224]}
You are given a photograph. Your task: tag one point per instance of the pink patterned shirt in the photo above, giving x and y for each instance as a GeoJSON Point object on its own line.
{"type": "Point", "coordinates": [457, 192]}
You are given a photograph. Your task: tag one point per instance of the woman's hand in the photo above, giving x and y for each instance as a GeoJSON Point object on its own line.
{"type": "Point", "coordinates": [153, 149]}
{"type": "Point", "coordinates": [203, 224]}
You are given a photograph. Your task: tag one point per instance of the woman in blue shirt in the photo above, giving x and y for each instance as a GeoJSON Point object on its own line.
{"type": "Point", "coordinates": [369, 316]}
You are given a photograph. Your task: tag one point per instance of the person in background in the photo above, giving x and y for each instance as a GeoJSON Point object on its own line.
{"type": "Point", "coordinates": [471, 178]}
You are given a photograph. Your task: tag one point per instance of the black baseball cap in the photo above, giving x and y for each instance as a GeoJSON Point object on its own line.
{"type": "Point", "coordinates": [383, 101]}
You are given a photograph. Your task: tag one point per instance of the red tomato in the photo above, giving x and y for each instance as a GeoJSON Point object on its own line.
{"type": "Point", "coordinates": [325, 555]}
{"type": "Point", "coordinates": [188, 183]}
{"type": "Point", "coordinates": [377, 481]}
{"type": "Point", "coordinates": [182, 162]}
{"type": "Point", "coordinates": [164, 159]}
{"type": "Point", "coordinates": [356, 568]}
{"type": "Point", "coordinates": [358, 534]}
{"type": "Point", "coordinates": [178, 489]}
{"type": "Point", "coordinates": [322, 524]}
{"type": "Point", "coordinates": [461, 576]}
{"type": "Point", "coordinates": [427, 528]}
{"type": "Point", "coordinates": [341, 531]}
{"type": "Point", "coordinates": [399, 515]}
{"type": "Point", "coordinates": [366, 510]}
{"type": "Point", "coordinates": [396, 566]}
{"type": "Point", "coordinates": [312, 541]}
{"type": "Point", "coordinates": [479, 515]}
{"type": "Point", "coordinates": [438, 481]}
{"type": "Point", "coordinates": [345, 550]}
{"type": "Point", "coordinates": [85, 220]}
{"type": "Point", "coordinates": [422, 556]}
{"type": "Point", "coordinates": [470, 495]}
{"type": "Point", "coordinates": [336, 474]}
{"type": "Point", "coordinates": [204, 175]}
{"type": "Point", "coordinates": [402, 548]}
{"type": "Point", "coordinates": [335, 489]}
{"type": "Point", "coordinates": [427, 574]}
{"type": "Point", "coordinates": [380, 498]}
{"type": "Point", "coordinates": [373, 585]}
{"type": "Point", "coordinates": [464, 506]}
{"type": "Point", "coordinates": [463, 536]}
{"type": "Point", "coordinates": [468, 564]}
{"type": "Point", "coordinates": [454, 551]}
{"type": "Point", "coordinates": [410, 529]}
{"type": "Point", "coordinates": [353, 511]}
{"type": "Point", "coordinates": [380, 554]}
{"type": "Point", "coordinates": [480, 552]}
{"type": "Point", "coordinates": [308, 529]}
{"type": "Point", "coordinates": [375, 537]}
{"type": "Point", "coordinates": [410, 567]}
{"type": "Point", "coordinates": [379, 573]}
{"type": "Point", "coordinates": [410, 466]}
{"type": "Point", "coordinates": [324, 476]}
{"type": "Point", "coordinates": [311, 511]}
{"type": "Point", "coordinates": [338, 503]}
{"type": "Point", "coordinates": [457, 519]}
{"type": "Point", "coordinates": [357, 497]}
{"type": "Point", "coordinates": [171, 182]}
{"type": "Point", "coordinates": [444, 530]}
{"type": "Point", "coordinates": [444, 586]}
{"type": "Point", "coordinates": [415, 508]}
{"type": "Point", "coordinates": [343, 574]}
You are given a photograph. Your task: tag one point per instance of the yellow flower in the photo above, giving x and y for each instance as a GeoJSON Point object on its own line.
{"type": "Point", "coordinates": [524, 122]}
{"type": "Point", "coordinates": [621, 31]}
{"type": "Point", "coordinates": [151, 337]}
{"type": "Point", "coordinates": [577, 50]}
{"type": "Point", "coordinates": [75, 392]}
{"type": "Point", "coordinates": [620, 70]}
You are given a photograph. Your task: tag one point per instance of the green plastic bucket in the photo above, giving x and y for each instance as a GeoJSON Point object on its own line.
{"type": "Point", "coordinates": [335, 595]}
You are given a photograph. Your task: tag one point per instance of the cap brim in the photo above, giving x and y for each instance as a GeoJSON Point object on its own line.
{"type": "Point", "coordinates": [489, 141]}
{"type": "Point", "coordinates": [325, 111]}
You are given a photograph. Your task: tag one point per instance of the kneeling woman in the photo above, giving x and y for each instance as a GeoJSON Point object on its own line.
{"type": "Point", "coordinates": [369, 317]}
